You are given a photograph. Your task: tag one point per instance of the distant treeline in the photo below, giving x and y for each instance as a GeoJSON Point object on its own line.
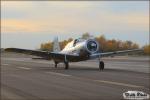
{"type": "Point", "coordinates": [106, 45]}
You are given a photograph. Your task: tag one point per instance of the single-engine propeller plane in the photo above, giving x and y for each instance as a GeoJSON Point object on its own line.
{"type": "Point", "coordinates": [75, 51]}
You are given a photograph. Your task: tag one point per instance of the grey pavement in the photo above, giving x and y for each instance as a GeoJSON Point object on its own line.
{"type": "Point", "coordinates": [24, 78]}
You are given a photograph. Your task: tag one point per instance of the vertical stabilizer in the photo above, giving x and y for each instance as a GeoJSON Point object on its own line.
{"type": "Point", "coordinates": [56, 47]}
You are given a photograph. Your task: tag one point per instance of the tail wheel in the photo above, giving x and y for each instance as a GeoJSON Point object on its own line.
{"type": "Point", "coordinates": [101, 65]}
{"type": "Point", "coordinates": [66, 65]}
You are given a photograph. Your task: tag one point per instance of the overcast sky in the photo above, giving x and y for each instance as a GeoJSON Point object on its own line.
{"type": "Point", "coordinates": [27, 24]}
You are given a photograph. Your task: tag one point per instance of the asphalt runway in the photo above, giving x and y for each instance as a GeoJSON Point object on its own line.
{"type": "Point", "coordinates": [23, 78]}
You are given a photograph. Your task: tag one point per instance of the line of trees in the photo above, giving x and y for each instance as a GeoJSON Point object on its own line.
{"type": "Point", "coordinates": [147, 49]}
{"type": "Point", "coordinates": [106, 45]}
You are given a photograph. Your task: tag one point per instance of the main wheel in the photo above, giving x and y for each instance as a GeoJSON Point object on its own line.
{"type": "Point", "coordinates": [101, 65]}
{"type": "Point", "coordinates": [56, 64]}
{"type": "Point", "coordinates": [66, 65]}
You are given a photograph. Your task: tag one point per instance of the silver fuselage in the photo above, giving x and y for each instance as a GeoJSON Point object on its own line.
{"type": "Point", "coordinates": [78, 47]}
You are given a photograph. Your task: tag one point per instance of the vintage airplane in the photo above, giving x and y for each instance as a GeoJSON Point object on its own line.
{"type": "Point", "coordinates": [75, 51]}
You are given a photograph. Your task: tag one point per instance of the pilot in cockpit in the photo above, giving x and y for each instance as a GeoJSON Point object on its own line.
{"type": "Point", "coordinates": [75, 42]}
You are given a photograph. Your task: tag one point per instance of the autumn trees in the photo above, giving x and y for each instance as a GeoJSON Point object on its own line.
{"type": "Point", "coordinates": [147, 50]}
{"type": "Point", "coordinates": [47, 46]}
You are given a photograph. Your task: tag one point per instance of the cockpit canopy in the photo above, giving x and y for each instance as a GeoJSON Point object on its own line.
{"type": "Point", "coordinates": [76, 41]}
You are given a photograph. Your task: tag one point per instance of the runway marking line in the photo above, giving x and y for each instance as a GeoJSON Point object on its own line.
{"type": "Point", "coordinates": [118, 83]}
{"type": "Point", "coordinates": [26, 68]}
{"type": "Point", "coordinates": [5, 64]}
{"type": "Point", "coordinates": [142, 77]}
{"type": "Point", "coordinates": [60, 74]}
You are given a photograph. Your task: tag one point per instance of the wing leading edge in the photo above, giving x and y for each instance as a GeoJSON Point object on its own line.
{"type": "Point", "coordinates": [45, 54]}
{"type": "Point", "coordinates": [106, 54]}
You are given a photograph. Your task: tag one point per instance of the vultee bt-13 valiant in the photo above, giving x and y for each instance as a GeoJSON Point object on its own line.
{"type": "Point", "coordinates": [75, 51]}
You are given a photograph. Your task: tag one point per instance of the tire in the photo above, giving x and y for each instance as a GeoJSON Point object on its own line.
{"type": "Point", "coordinates": [101, 65]}
{"type": "Point", "coordinates": [66, 65]}
{"type": "Point", "coordinates": [55, 65]}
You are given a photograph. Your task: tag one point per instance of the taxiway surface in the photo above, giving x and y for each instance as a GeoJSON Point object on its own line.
{"type": "Point", "coordinates": [23, 78]}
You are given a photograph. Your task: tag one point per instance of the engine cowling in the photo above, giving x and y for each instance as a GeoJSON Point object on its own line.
{"type": "Point", "coordinates": [92, 46]}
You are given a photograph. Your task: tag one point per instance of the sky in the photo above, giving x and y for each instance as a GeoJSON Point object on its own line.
{"type": "Point", "coordinates": [27, 24]}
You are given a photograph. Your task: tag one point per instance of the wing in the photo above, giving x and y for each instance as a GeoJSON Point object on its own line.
{"type": "Point", "coordinates": [44, 54]}
{"type": "Point", "coordinates": [107, 54]}
{"type": "Point", "coordinates": [29, 52]}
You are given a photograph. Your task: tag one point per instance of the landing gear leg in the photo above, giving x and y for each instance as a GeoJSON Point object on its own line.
{"type": "Point", "coordinates": [56, 64]}
{"type": "Point", "coordinates": [66, 65]}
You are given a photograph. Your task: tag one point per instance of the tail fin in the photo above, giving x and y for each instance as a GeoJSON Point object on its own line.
{"type": "Point", "coordinates": [56, 47]}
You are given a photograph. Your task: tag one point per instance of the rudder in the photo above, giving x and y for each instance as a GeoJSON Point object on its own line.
{"type": "Point", "coordinates": [56, 46]}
